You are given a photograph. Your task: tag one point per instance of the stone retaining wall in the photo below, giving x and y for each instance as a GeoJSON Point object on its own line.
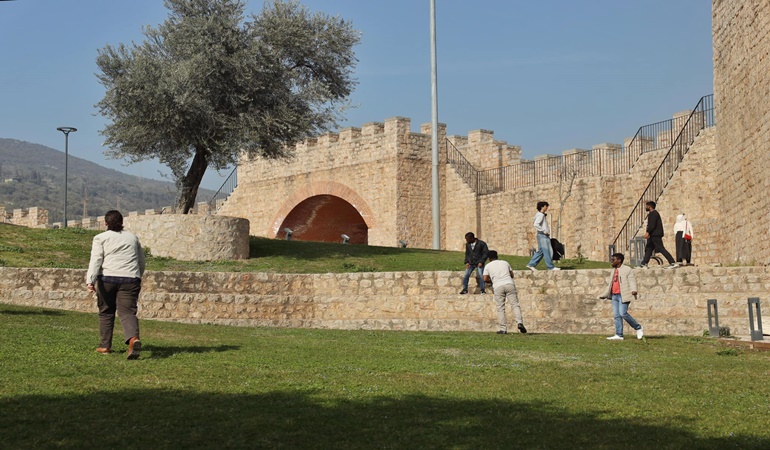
{"type": "Point", "coordinates": [670, 302]}
{"type": "Point", "coordinates": [192, 237]}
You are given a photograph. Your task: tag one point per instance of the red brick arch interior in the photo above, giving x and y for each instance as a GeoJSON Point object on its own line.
{"type": "Point", "coordinates": [325, 218]}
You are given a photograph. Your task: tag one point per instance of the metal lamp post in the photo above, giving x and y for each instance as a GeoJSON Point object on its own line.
{"type": "Point", "coordinates": [435, 201]}
{"type": "Point", "coordinates": [66, 131]}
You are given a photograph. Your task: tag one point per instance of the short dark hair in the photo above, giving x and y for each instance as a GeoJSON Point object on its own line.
{"type": "Point", "coordinates": [469, 235]}
{"type": "Point", "coordinates": [651, 203]}
{"type": "Point", "coordinates": [492, 254]}
{"type": "Point", "coordinates": [114, 220]}
{"type": "Point", "coordinates": [541, 204]}
{"type": "Point", "coordinates": [619, 256]}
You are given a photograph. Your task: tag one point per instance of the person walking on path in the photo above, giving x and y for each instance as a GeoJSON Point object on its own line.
{"type": "Point", "coordinates": [684, 234]}
{"type": "Point", "coordinates": [544, 250]}
{"type": "Point", "coordinates": [654, 236]}
{"type": "Point", "coordinates": [620, 289]}
{"type": "Point", "coordinates": [115, 274]}
{"type": "Point", "coordinates": [500, 274]}
{"type": "Point", "coordinates": [475, 256]}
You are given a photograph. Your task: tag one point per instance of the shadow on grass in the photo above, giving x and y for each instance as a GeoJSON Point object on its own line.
{"type": "Point", "coordinates": [41, 312]}
{"type": "Point", "coordinates": [165, 352]}
{"type": "Point", "coordinates": [260, 247]}
{"type": "Point", "coordinates": [181, 419]}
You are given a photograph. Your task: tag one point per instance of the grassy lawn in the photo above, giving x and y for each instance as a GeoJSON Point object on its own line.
{"type": "Point", "coordinates": [207, 387]}
{"type": "Point", "coordinates": [70, 248]}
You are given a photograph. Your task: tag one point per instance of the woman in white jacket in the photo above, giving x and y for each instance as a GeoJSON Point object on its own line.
{"type": "Point", "coordinates": [684, 235]}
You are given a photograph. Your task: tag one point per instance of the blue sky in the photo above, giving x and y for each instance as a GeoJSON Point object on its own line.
{"type": "Point", "coordinates": [548, 75]}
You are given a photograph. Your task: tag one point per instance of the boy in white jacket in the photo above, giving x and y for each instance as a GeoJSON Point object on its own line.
{"type": "Point", "coordinates": [620, 289]}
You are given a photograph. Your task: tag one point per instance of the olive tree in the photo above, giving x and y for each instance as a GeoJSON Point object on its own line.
{"type": "Point", "coordinates": [209, 84]}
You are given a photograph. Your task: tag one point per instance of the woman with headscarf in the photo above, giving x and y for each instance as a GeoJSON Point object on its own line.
{"type": "Point", "coordinates": [683, 232]}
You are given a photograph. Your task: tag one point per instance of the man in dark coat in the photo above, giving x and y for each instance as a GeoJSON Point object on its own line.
{"type": "Point", "coordinates": [654, 236]}
{"type": "Point", "coordinates": [476, 252]}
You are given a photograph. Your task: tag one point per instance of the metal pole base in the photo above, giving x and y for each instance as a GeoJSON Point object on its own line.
{"type": "Point", "coordinates": [713, 324]}
{"type": "Point", "coordinates": [756, 334]}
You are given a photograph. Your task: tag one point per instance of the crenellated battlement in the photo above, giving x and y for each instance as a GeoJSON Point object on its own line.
{"type": "Point", "coordinates": [35, 217]}
{"type": "Point", "coordinates": [376, 141]}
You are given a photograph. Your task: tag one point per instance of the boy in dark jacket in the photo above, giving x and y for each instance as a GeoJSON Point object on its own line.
{"type": "Point", "coordinates": [476, 252]}
{"type": "Point", "coordinates": [654, 236]}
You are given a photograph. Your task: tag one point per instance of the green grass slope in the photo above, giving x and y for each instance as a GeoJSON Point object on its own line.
{"type": "Point", "coordinates": [70, 248]}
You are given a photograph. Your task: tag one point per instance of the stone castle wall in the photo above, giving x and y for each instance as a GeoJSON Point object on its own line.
{"type": "Point", "coordinates": [669, 303]}
{"type": "Point", "coordinates": [598, 206]}
{"type": "Point", "coordinates": [384, 170]}
{"type": "Point", "coordinates": [366, 158]}
{"type": "Point", "coordinates": [26, 217]}
{"type": "Point", "coordinates": [36, 217]}
{"type": "Point", "coordinates": [741, 34]}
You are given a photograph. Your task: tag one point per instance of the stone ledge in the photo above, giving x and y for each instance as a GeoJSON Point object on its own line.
{"type": "Point", "coordinates": [670, 302]}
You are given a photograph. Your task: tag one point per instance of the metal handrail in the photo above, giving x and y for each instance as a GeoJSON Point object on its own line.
{"type": "Point", "coordinates": [224, 191]}
{"type": "Point", "coordinates": [464, 168]}
{"type": "Point", "coordinates": [587, 163]}
{"type": "Point", "coordinates": [702, 116]}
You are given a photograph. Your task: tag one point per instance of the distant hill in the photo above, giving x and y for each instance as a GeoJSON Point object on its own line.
{"type": "Point", "coordinates": [33, 175]}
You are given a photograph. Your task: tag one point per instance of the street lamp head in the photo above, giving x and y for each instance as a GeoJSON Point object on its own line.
{"type": "Point", "coordinates": [67, 130]}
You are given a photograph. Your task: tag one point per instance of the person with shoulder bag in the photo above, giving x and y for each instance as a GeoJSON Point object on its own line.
{"type": "Point", "coordinates": [684, 234]}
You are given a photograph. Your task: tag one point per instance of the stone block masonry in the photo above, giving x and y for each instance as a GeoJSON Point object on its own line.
{"type": "Point", "coordinates": [741, 35]}
{"type": "Point", "coordinates": [382, 173]}
{"type": "Point", "coordinates": [27, 217]}
{"type": "Point", "coordinates": [192, 237]}
{"type": "Point", "coordinates": [670, 302]}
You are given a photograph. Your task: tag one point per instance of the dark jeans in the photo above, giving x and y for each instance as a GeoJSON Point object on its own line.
{"type": "Point", "coordinates": [656, 243]}
{"type": "Point", "coordinates": [121, 295]}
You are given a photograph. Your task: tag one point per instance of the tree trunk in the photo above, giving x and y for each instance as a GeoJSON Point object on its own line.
{"type": "Point", "coordinates": [191, 181]}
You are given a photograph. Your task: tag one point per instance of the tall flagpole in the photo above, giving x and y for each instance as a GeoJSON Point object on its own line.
{"type": "Point", "coordinates": [434, 131]}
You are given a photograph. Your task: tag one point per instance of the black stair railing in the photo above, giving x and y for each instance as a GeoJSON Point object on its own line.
{"type": "Point", "coordinates": [464, 168]}
{"type": "Point", "coordinates": [702, 116]}
{"type": "Point", "coordinates": [224, 191]}
{"type": "Point", "coordinates": [587, 163]}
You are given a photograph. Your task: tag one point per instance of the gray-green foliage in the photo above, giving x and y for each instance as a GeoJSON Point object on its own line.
{"type": "Point", "coordinates": [209, 83]}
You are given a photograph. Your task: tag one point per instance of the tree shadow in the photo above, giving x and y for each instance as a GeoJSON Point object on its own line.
{"type": "Point", "coordinates": [41, 312]}
{"type": "Point", "coordinates": [148, 418]}
{"type": "Point", "coordinates": [260, 247]}
{"type": "Point", "coordinates": [157, 351]}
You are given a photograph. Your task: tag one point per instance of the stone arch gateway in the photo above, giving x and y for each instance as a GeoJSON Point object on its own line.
{"type": "Point", "coordinates": [323, 211]}
{"type": "Point", "coordinates": [325, 218]}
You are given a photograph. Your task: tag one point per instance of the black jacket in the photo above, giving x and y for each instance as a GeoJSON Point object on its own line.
{"type": "Point", "coordinates": [654, 224]}
{"type": "Point", "coordinates": [476, 255]}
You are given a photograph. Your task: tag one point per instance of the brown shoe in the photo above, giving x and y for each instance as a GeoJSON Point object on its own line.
{"type": "Point", "coordinates": [134, 346]}
{"type": "Point", "coordinates": [103, 350]}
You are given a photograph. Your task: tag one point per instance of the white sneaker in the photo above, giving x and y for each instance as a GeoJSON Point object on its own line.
{"type": "Point", "coordinates": [643, 266]}
{"type": "Point", "coordinates": [671, 266]}
{"type": "Point", "coordinates": [640, 333]}
{"type": "Point", "coordinates": [555, 268]}
{"type": "Point", "coordinates": [615, 338]}
{"type": "Point", "coordinates": [532, 268]}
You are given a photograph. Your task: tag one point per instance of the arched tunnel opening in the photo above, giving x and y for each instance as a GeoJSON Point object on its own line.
{"type": "Point", "coordinates": [325, 218]}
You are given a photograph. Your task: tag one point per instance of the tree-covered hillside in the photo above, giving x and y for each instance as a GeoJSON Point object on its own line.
{"type": "Point", "coordinates": [33, 175]}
